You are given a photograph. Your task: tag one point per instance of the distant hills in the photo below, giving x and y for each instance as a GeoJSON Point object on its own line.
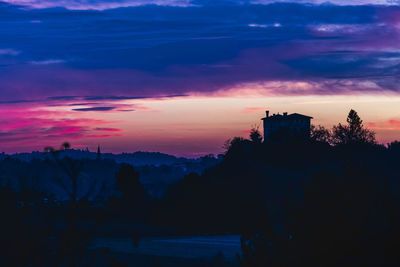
{"type": "Point", "coordinates": [37, 171]}
{"type": "Point", "coordinates": [138, 158]}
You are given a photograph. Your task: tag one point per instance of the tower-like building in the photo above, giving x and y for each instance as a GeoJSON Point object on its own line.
{"type": "Point", "coordinates": [295, 123]}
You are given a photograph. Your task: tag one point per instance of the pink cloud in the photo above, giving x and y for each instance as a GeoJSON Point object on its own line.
{"type": "Point", "coordinates": [394, 122]}
{"type": "Point", "coordinates": [389, 125]}
{"type": "Point", "coordinates": [386, 131]}
{"type": "Point", "coordinates": [103, 136]}
{"type": "Point", "coordinates": [28, 128]}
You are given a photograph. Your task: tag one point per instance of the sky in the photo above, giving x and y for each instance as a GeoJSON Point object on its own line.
{"type": "Point", "coordinates": [183, 76]}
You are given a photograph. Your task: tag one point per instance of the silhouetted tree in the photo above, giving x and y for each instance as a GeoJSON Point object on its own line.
{"type": "Point", "coordinates": [255, 136]}
{"type": "Point", "coordinates": [394, 146]}
{"type": "Point", "coordinates": [72, 168]}
{"type": "Point", "coordinates": [228, 144]}
{"type": "Point", "coordinates": [128, 183]}
{"type": "Point", "coordinates": [352, 133]}
{"type": "Point", "coordinates": [74, 241]}
{"type": "Point", "coordinates": [320, 134]}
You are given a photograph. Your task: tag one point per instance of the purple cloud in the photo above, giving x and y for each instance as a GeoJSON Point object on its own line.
{"type": "Point", "coordinates": [111, 4]}
{"type": "Point", "coordinates": [94, 109]}
{"type": "Point", "coordinates": [94, 4]}
{"type": "Point", "coordinates": [9, 52]}
{"type": "Point", "coordinates": [107, 129]}
{"type": "Point", "coordinates": [159, 52]}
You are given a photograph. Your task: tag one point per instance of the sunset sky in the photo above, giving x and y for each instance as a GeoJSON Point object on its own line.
{"type": "Point", "coordinates": [183, 76]}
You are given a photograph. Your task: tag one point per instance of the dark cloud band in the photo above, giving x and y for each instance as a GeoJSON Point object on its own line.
{"type": "Point", "coordinates": [167, 51]}
{"type": "Point", "coordinates": [94, 109]}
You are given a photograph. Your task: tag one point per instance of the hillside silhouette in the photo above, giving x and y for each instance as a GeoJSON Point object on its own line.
{"type": "Point", "coordinates": [330, 198]}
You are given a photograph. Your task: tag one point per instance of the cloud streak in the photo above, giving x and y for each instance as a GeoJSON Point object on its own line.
{"type": "Point", "coordinates": [9, 52]}
{"type": "Point", "coordinates": [94, 109]}
{"type": "Point", "coordinates": [107, 129]}
{"type": "Point", "coordinates": [94, 4]}
{"type": "Point", "coordinates": [389, 125]}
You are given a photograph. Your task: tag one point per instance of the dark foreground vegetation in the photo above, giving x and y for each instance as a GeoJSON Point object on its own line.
{"type": "Point", "coordinates": [328, 200]}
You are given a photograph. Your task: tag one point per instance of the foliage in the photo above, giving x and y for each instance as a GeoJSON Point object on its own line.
{"type": "Point", "coordinates": [352, 133]}
{"type": "Point", "coordinates": [320, 134]}
{"type": "Point", "coordinates": [134, 198]}
{"type": "Point", "coordinates": [394, 146]}
{"type": "Point", "coordinates": [255, 136]}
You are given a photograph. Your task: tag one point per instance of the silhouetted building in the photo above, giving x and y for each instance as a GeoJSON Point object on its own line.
{"type": "Point", "coordinates": [295, 123]}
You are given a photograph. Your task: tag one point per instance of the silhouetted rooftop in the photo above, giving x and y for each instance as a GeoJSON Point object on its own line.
{"type": "Point", "coordinates": [285, 116]}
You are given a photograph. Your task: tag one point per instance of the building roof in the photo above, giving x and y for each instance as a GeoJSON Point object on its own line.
{"type": "Point", "coordinates": [286, 116]}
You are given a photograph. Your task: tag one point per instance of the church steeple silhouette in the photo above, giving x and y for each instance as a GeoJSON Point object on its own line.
{"type": "Point", "coordinates": [98, 152]}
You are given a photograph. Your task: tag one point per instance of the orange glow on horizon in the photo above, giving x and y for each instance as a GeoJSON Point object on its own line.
{"type": "Point", "coordinates": [199, 125]}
